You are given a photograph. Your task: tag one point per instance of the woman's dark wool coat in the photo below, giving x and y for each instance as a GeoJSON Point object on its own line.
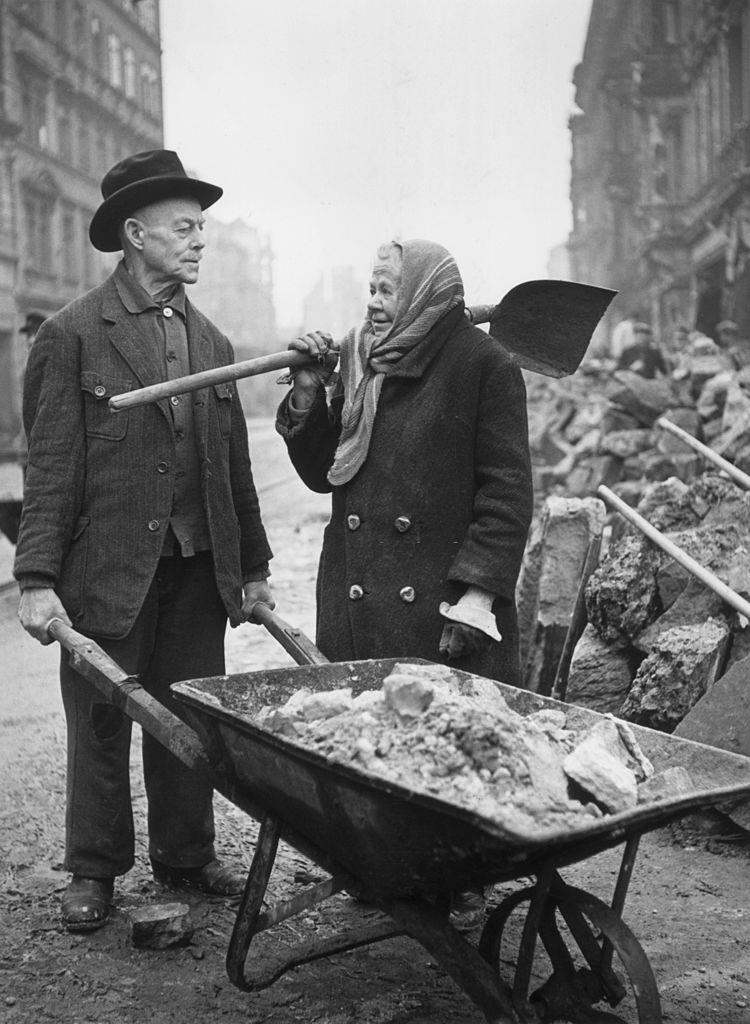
{"type": "Point", "coordinates": [443, 500]}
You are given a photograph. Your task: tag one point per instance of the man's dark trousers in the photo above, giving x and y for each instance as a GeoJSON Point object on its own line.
{"type": "Point", "coordinates": [178, 634]}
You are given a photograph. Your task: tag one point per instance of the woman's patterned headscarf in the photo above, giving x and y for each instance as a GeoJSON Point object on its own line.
{"type": "Point", "coordinates": [430, 285]}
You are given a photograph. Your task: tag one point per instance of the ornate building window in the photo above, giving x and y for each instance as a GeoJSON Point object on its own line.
{"type": "Point", "coordinates": [64, 133]}
{"type": "Point", "coordinates": [34, 109]}
{"type": "Point", "coordinates": [150, 90]}
{"type": "Point", "coordinates": [77, 23]}
{"type": "Point", "coordinates": [70, 247]}
{"type": "Point", "coordinates": [129, 73]}
{"type": "Point", "coordinates": [97, 45]}
{"type": "Point", "coordinates": [84, 146]}
{"type": "Point", "coordinates": [738, 76]}
{"type": "Point", "coordinates": [38, 209]}
{"type": "Point", "coordinates": [114, 61]}
{"type": "Point", "coordinates": [146, 10]}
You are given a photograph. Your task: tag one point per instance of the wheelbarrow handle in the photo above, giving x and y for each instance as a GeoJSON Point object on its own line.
{"type": "Point", "coordinates": [126, 693]}
{"type": "Point", "coordinates": [293, 640]}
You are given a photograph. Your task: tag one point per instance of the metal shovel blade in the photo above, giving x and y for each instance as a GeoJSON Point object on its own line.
{"type": "Point", "coordinates": [548, 325]}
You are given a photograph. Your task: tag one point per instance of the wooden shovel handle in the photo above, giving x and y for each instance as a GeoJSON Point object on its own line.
{"type": "Point", "coordinates": [205, 378]}
{"type": "Point", "coordinates": [731, 597]}
{"type": "Point", "coordinates": [237, 371]}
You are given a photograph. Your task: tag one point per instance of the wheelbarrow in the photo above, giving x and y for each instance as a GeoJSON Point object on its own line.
{"type": "Point", "coordinates": [399, 853]}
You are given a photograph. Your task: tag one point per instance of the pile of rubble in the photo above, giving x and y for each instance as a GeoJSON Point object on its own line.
{"type": "Point", "coordinates": [598, 426]}
{"type": "Point", "coordinates": [439, 735]}
{"type": "Point", "coordinates": [657, 638]}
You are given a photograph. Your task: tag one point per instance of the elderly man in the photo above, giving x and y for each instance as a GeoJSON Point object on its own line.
{"type": "Point", "coordinates": [142, 529]}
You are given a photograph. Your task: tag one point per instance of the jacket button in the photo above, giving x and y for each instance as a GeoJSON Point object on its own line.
{"type": "Point", "coordinates": [407, 594]}
{"type": "Point", "coordinates": [402, 524]}
{"type": "Point", "coordinates": [100, 391]}
{"type": "Point", "coordinates": [356, 593]}
{"type": "Point", "coordinates": [161, 467]}
{"type": "Point", "coordinates": [175, 399]}
{"type": "Point", "coordinates": [153, 525]}
{"type": "Point", "coordinates": [353, 522]}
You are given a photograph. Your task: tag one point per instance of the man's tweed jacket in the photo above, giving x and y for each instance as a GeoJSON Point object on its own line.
{"type": "Point", "coordinates": [99, 485]}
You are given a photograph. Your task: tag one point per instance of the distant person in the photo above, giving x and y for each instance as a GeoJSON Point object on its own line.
{"type": "Point", "coordinates": [424, 448]}
{"type": "Point", "coordinates": [140, 528]}
{"type": "Point", "coordinates": [729, 340]}
{"type": "Point", "coordinates": [641, 354]}
{"type": "Point", "coordinates": [623, 335]}
{"type": "Point", "coordinates": [31, 325]}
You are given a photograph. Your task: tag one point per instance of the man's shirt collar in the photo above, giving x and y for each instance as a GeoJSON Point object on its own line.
{"type": "Point", "coordinates": [136, 299]}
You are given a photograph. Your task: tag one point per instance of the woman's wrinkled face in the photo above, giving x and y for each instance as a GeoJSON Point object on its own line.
{"type": "Point", "coordinates": [381, 308]}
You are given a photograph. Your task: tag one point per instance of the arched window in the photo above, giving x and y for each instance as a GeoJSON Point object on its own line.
{"type": "Point", "coordinates": [114, 61]}
{"type": "Point", "coordinates": [129, 72]}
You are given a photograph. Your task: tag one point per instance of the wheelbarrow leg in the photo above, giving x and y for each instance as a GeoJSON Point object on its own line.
{"type": "Point", "coordinates": [425, 923]}
{"type": "Point", "coordinates": [252, 900]}
{"type": "Point", "coordinates": [369, 925]}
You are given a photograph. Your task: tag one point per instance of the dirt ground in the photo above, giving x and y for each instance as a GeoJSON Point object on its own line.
{"type": "Point", "coordinates": [687, 904]}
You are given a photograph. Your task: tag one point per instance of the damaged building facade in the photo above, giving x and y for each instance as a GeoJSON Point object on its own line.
{"type": "Point", "coordinates": [80, 87]}
{"type": "Point", "coordinates": [660, 182]}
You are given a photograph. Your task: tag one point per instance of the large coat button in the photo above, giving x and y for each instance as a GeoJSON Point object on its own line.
{"type": "Point", "coordinates": [153, 525]}
{"type": "Point", "coordinates": [353, 522]}
{"type": "Point", "coordinates": [100, 391]}
{"type": "Point", "coordinates": [407, 594]}
{"type": "Point", "coordinates": [356, 593]}
{"type": "Point", "coordinates": [402, 524]}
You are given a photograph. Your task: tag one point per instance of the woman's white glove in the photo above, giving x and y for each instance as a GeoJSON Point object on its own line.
{"type": "Point", "coordinates": [471, 624]}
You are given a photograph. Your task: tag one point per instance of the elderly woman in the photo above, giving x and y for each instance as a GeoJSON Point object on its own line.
{"type": "Point", "coordinates": [422, 441]}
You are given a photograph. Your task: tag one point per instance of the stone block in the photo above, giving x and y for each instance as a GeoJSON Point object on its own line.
{"type": "Point", "coordinates": [161, 926]}
{"type": "Point", "coordinates": [598, 771]}
{"type": "Point", "coordinates": [670, 784]}
{"type": "Point", "coordinates": [644, 400]}
{"type": "Point", "coordinates": [600, 676]}
{"type": "Point", "coordinates": [407, 695]}
{"type": "Point", "coordinates": [624, 443]}
{"type": "Point", "coordinates": [666, 504]}
{"type": "Point", "coordinates": [621, 596]}
{"type": "Point", "coordinates": [616, 419]}
{"type": "Point", "coordinates": [683, 663]}
{"type": "Point", "coordinates": [693, 605]}
{"type": "Point", "coordinates": [689, 420]}
{"type": "Point", "coordinates": [565, 530]}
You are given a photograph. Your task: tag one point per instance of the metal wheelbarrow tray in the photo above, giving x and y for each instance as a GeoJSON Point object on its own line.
{"type": "Point", "coordinates": [404, 852]}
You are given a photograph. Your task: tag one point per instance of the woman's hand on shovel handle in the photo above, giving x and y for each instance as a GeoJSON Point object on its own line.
{"type": "Point", "coordinates": [39, 605]}
{"type": "Point", "coordinates": [320, 347]}
{"type": "Point", "coordinates": [254, 593]}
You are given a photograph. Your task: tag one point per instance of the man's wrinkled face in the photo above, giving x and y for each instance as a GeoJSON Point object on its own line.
{"type": "Point", "coordinates": [172, 239]}
{"type": "Point", "coordinates": [383, 302]}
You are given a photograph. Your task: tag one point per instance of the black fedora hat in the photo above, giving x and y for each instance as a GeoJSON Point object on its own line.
{"type": "Point", "coordinates": [137, 181]}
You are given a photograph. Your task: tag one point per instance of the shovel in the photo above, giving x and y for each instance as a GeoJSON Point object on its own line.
{"type": "Point", "coordinates": [547, 325]}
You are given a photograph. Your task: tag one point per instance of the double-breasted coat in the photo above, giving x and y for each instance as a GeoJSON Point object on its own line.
{"type": "Point", "coordinates": [443, 500]}
{"type": "Point", "coordinates": [99, 485]}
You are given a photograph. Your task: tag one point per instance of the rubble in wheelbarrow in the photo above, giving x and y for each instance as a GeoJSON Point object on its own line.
{"type": "Point", "coordinates": [424, 731]}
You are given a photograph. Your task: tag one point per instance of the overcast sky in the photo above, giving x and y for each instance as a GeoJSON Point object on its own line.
{"type": "Point", "coordinates": [333, 125]}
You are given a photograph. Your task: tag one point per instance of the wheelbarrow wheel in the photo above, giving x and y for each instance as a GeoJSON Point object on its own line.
{"type": "Point", "coordinates": [573, 971]}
